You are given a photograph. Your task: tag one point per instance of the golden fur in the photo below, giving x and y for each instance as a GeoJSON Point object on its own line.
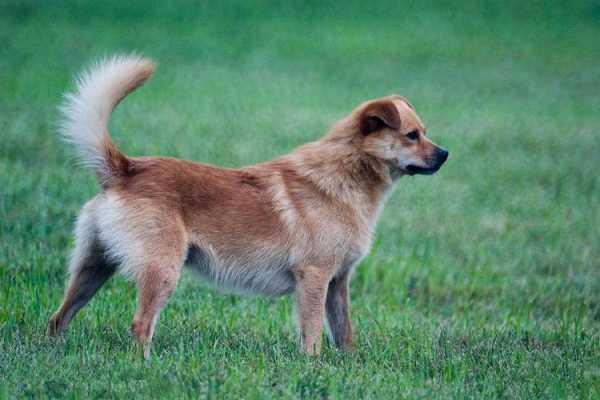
{"type": "Point", "coordinates": [299, 223]}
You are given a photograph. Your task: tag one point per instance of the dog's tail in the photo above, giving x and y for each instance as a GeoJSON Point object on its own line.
{"type": "Point", "coordinates": [87, 109]}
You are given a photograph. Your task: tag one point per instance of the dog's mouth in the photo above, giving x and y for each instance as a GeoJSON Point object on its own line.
{"type": "Point", "coordinates": [416, 170]}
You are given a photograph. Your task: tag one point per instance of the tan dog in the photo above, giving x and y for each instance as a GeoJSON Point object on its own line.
{"type": "Point", "coordinates": [299, 223]}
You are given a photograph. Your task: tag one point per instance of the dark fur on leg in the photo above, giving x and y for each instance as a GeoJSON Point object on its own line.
{"type": "Point", "coordinates": [338, 312]}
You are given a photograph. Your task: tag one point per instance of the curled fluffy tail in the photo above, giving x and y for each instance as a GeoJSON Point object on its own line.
{"type": "Point", "coordinates": [87, 109]}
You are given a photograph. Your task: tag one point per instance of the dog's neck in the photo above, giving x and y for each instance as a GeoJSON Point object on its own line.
{"type": "Point", "coordinates": [335, 167]}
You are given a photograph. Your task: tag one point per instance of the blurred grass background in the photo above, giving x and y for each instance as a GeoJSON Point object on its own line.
{"type": "Point", "coordinates": [484, 280]}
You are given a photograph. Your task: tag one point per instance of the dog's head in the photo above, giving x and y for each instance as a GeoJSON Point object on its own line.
{"type": "Point", "coordinates": [391, 131]}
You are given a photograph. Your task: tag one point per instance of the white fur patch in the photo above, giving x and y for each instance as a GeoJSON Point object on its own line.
{"type": "Point", "coordinates": [85, 235]}
{"type": "Point", "coordinates": [120, 234]}
{"type": "Point", "coordinates": [261, 269]}
{"type": "Point", "coordinates": [87, 109]}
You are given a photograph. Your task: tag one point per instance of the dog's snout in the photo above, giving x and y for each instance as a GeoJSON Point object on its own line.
{"type": "Point", "coordinates": [442, 155]}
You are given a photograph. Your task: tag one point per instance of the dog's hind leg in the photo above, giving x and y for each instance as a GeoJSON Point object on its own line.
{"type": "Point", "coordinates": [156, 282]}
{"type": "Point", "coordinates": [157, 274]}
{"type": "Point", "coordinates": [89, 270]}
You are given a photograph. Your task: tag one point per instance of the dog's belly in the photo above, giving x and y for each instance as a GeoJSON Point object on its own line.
{"type": "Point", "coordinates": [251, 274]}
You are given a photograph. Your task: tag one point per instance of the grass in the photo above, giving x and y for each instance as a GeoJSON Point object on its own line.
{"type": "Point", "coordinates": [484, 280]}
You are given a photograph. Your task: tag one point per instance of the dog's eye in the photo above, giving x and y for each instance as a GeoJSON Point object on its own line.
{"type": "Point", "coordinates": [413, 135]}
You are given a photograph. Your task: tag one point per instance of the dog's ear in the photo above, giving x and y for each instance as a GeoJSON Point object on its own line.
{"type": "Point", "coordinates": [377, 115]}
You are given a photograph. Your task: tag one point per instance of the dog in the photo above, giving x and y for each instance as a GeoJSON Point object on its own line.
{"type": "Point", "coordinates": [298, 224]}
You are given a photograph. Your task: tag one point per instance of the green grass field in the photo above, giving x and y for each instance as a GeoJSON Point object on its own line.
{"type": "Point", "coordinates": [484, 280]}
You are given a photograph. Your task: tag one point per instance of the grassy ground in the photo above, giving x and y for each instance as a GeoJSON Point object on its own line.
{"type": "Point", "coordinates": [484, 280]}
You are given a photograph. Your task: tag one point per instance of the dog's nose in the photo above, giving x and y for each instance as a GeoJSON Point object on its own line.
{"type": "Point", "coordinates": [442, 155]}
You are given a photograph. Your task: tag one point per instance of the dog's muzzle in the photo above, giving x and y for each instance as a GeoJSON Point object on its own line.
{"type": "Point", "coordinates": [433, 163]}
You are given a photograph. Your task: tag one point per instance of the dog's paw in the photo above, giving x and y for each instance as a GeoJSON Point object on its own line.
{"type": "Point", "coordinates": [53, 329]}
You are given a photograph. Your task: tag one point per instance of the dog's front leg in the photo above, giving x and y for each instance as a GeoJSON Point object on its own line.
{"type": "Point", "coordinates": [311, 292]}
{"type": "Point", "coordinates": [338, 312]}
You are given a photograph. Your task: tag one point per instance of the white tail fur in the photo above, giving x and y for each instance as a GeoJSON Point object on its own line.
{"type": "Point", "coordinates": [87, 109]}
